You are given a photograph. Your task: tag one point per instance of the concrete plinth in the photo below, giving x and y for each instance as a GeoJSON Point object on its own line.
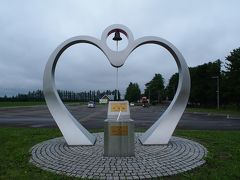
{"type": "Point", "coordinates": [119, 130]}
{"type": "Point", "coordinates": [119, 138]}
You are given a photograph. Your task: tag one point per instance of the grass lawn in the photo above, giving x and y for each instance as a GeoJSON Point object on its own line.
{"type": "Point", "coordinates": [223, 160]}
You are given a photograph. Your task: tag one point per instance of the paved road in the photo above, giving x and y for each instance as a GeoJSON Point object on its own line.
{"type": "Point", "coordinates": [39, 116]}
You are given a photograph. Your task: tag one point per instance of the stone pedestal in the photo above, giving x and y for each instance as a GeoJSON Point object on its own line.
{"type": "Point", "coordinates": [119, 131]}
{"type": "Point", "coordinates": [119, 138]}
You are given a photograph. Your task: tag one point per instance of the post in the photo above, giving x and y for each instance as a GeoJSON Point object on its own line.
{"type": "Point", "coordinates": [218, 98]}
{"type": "Point", "coordinates": [117, 76]}
{"type": "Point", "coordinates": [149, 95]}
{"type": "Point", "coordinates": [117, 86]}
{"type": "Point", "coordinates": [218, 92]}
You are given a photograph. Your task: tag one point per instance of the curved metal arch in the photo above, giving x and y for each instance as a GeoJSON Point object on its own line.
{"type": "Point", "coordinates": [73, 132]}
{"type": "Point", "coordinates": [161, 131]}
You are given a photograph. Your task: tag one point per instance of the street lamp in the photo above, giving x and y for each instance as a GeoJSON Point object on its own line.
{"type": "Point", "coordinates": [217, 77]}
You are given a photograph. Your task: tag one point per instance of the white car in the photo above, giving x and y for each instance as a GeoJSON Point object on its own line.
{"type": "Point", "coordinates": [91, 104]}
{"type": "Point", "coordinates": [131, 104]}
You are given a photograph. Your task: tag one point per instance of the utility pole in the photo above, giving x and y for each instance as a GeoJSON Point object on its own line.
{"type": "Point", "coordinates": [218, 98]}
{"type": "Point", "coordinates": [149, 95]}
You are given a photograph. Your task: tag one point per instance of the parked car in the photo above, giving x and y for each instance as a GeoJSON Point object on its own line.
{"type": "Point", "coordinates": [91, 104]}
{"type": "Point", "coordinates": [131, 104]}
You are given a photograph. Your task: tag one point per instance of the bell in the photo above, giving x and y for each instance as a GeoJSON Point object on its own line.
{"type": "Point", "coordinates": [117, 36]}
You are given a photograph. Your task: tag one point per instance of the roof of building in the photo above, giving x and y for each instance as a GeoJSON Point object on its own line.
{"type": "Point", "coordinates": [109, 97]}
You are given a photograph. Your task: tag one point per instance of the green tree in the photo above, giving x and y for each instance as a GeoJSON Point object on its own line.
{"type": "Point", "coordinates": [133, 92]}
{"type": "Point", "coordinates": [155, 88]}
{"type": "Point", "coordinates": [232, 78]}
{"type": "Point", "coordinates": [203, 86]}
{"type": "Point", "coordinates": [172, 86]}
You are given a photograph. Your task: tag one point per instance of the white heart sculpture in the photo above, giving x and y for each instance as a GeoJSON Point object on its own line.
{"type": "Point", "coordinates": [74, 133]}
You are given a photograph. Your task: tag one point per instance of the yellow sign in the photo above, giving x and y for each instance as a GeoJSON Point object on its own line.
{"type": "Point", "coordinates": [117, 107]}
{"type": "Point", "coordinates": [119, 130]}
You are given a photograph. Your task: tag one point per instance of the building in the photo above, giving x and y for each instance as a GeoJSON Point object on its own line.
{"type": "Point", "coordinates": [106, 98]}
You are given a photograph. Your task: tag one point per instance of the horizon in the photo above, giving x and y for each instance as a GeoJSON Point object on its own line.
{"type": "Point", "coordinates": [13, 92]}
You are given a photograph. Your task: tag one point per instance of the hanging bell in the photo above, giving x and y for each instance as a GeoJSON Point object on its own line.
{"type": "Point", "coordinates": [117, 36]}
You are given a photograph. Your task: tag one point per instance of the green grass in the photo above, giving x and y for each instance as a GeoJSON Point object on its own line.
{"type": "Point", "coordinates": [21, 103]}
{"type": "Point", "coordinates": [233, 112]}
{"type": "Point", "coordinates": [223, 160]}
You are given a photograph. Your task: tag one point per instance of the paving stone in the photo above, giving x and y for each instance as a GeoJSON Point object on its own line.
{"type": "Point", "coordinates": [150, 161]}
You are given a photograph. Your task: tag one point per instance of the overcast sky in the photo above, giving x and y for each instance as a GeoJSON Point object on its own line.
{"type": "Point", "coordinates": [30, 30]}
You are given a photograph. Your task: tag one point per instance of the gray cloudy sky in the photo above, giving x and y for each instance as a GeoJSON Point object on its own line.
{"type": "Point", "coordinates": [30, 30]}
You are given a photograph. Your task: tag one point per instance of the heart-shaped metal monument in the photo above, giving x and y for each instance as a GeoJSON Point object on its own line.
{"type": "Point", "coordinates": [74, 133]}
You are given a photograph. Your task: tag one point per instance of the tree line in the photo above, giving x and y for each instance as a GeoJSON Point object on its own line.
{"type": "Point", "coordinates": [84, 96]}
{"type": "Point", "coordinates": [206, 80]}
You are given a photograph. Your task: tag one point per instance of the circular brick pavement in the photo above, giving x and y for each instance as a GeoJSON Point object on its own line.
{"type": "Point", "coordinates": [179, 155]}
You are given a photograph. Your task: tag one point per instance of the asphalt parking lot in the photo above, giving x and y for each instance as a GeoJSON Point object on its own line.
{"type": "Point", "coordinates": [39, 116]}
